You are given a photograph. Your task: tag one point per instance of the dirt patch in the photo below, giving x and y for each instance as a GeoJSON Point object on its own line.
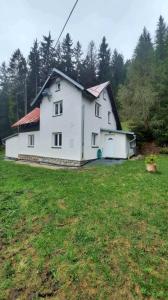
{"type": "Point", "coordinates": [61, 204]}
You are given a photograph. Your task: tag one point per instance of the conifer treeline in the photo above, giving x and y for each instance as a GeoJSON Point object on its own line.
{"type": "Point", "coordinates": [21, 79]}
{"type": "Point", "coordinates": [140, 85]}
{"type": "Point", "coordinates": [144, 96]}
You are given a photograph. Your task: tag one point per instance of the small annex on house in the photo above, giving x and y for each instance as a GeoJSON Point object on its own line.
{"type": "Point", "coordinates": [70, 125]}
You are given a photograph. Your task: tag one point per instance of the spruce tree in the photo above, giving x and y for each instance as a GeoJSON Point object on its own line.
{"type": "Point", "coordinates": [67, 64]}
{"type": "Point", "coordinates": [33, 80]}
{"type": "Point", "coordinates": [89, 70]}
{"type": "Point", "coordinates": [104, 57]}
{"type": "Point", "coordinates": [17, 79]}
{"type": "Point", "coordinates": [161, 34]}
{"type": "Point", "coordinates": [47, 58]}
{"type": "Point", "coordinates": [117, 71]}
{"type": "Point", "coordinates": [138, 97]}
{"type": "Point", "coordinates": [58, 57]}
{"type": "Point", "coordinates": [78, 61]}
{"type": "Point", "coordinates": [4, 95]}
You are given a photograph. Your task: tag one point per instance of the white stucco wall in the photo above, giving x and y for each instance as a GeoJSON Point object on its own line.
{"type": "Point", "coordinates": [69, 123]}
{"type": "Point", "coordinates": [11, 147]}
{"type": "Point", "coordinates": [94, 124]}
{"type": "Point", "coordinates": [19, 145]}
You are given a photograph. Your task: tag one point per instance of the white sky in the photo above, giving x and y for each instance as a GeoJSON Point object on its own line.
{"type": "Point", "coordinates": [121, 21]}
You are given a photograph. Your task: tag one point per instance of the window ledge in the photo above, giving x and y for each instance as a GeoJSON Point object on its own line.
{"type": "Point", "coordinates": [98, 117]}
{"type": "Point", "coordinates": [30, 146]}
{"type": "Point", "coordinates": [57, 115]}
{"type": "Point", "coordinates": [56, 147]}
{"type": "Point", "coordinates": [95, 146]}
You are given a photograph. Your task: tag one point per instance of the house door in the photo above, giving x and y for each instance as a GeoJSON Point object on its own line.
{"type": "Point", "coordinates": [108, 146]}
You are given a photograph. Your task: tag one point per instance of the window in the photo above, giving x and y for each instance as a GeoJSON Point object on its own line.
{"type": "Point", "coordinates": [94, 139]}
{"type": "Point", "coordinates": [57, 139]}
{"type": "Point", "coordinates": [58, 86]}
{"type": "Point", "coordinates": [97, 109]}
{"type": "Point", "coordinates": [109, 117]}
{"type": "Point", "coordinates": [31, 140]}
{"type": "Point", "coordinates": [58, 108]}
{"type": "Point", "coordinates": [104, 95]}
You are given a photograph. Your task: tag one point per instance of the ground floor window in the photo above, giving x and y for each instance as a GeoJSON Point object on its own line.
{"type": "Point", "coordinates": [31, 140]}
{"type": "Point", "coordinates": [94, 139]}
{"type": "Point", "coordinates": [57, 139]}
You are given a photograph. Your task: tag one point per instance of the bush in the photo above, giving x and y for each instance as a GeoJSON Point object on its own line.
{"type": "Point", "coordinates": [163, 150]}
{"type": "Point", "coordinates": [151, 159]}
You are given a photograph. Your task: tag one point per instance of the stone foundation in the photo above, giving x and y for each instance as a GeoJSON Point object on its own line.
{"type": "Point", "coordinates": [50, 160]}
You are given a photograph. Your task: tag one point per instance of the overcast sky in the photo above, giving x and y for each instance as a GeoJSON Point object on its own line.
{"type": "Point", "coordinates": [121, 21]}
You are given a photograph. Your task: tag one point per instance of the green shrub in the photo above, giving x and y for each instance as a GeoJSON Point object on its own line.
{"type": "Point", "coordinates": [151, 159]}
{"type": "Point", "coordinates": [164, 150]}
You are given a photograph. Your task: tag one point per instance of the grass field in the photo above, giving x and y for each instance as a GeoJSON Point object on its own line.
{"type": "Point", "coordinates": [97, 233]}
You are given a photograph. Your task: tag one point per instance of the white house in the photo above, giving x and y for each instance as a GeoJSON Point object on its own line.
{"type": "Point", "coordinates": [70, 125]}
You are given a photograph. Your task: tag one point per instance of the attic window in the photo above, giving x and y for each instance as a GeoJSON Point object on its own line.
{"type": "Point", "coordinates": [109, 117]}
{"type": "Point", "coordinates": [58, 86]}
{"type": "Point", "coordinates": [104, 95]}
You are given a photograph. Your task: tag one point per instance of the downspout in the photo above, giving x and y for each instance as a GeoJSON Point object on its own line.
{"type": "Point", "coordinates": [134, 139]}
{"type": "Point", "coordinates": [83, 130]}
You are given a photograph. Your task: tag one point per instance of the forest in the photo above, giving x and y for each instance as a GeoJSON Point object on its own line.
{"type": "Point", "coordinates": [140, 85]}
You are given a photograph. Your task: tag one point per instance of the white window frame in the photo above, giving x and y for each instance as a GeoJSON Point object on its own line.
{"type": "Point", "coordinates": [60, 110]}
{"type": "Point", "coordinates": [31, 140]}
{"type": "Point", "coordinates": [109, 117]}
{"type": "Point", "coordinates": [94, 139]}
{"type": "Point", "coordinates": [59, 140]}
{"type": "Point", "coordinates": [97, 110]}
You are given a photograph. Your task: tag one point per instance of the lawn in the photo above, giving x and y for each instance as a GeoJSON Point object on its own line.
{"type": "Point", "coordinates": [96, 233]}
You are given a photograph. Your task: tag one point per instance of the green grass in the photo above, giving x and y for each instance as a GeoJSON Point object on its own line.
{"type": "Point", "coordinates": [96, 233]}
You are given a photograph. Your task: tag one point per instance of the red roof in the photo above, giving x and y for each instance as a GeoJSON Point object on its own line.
{"type": "Point", "coordinates": [31, 117]}
{"type": "Point", "coordinates": [97, 89]}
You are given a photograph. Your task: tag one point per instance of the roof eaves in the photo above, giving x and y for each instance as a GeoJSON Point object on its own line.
{"type": "Point", "coordinates": [10, 136]}
{"type": "Point", "coordinates": [118, 131]}
{"type": "Point", "coordinates": [62, 75]}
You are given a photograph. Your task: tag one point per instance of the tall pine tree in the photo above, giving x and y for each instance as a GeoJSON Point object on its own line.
{"type": "Point", "coordinates": [161, 35]}
{"type": "Point", "coordinates": [17, 80]}
{"type": "Point", "coordinates": [78, 61]}
{"type": "Point", "coordinates": [67, 64]}
{"type": "Point", "coordinates": [104, 57]}
{"type": "Point", "coordinates": [117, 71]}
{"type": "Point", "coordinates": [138, 97]}
{"type": "Point", "coordinates": [47, 58]}
{"type": "Point", "coordinates": [4, 94]}
{"type": "Point", "coordinates": [33, 80]}
{"type": "Point", "coordinates": [89, 70]}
